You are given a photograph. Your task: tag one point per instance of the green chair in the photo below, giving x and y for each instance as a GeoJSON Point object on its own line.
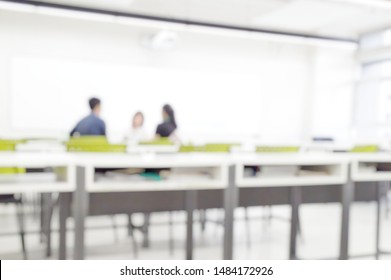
{"type": "Point", "coordinates": [365, 149]}
{"type": "Point", "coordinates": [219, 147]}
{"type": "Point", "coordinates": [162, 141]}
{"type": "Point", "coordinates": [191, 149]}
{"type": "Point", "coordinates": [277, 149]}
{"type": "Point", "coordinates": [93, 144]}
{"type": "Point", "coordinates": [10, 145]}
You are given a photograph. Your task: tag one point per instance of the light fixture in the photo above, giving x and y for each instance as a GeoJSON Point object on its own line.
{"type": "Point", "coordinates": [174, 26]}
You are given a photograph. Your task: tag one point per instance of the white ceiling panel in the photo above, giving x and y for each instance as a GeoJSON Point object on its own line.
{"type": "Point", "coordinates": [307, 15]}
{"type": "Point", "coordinates": [339, 18]}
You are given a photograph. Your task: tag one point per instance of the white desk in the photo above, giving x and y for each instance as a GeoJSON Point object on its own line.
{"type": "Point", "coordinates": [223, 169]}
{"type": "Point", "coordinates": [215, 167]}
{"type": "Point", "coordinates": [371, 167]}
{"type": "Point", "coordinates": [312, 170]}
{"type": "Point", "coordinates": [61, 179]}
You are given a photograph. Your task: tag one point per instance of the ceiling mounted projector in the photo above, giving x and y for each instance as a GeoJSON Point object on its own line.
{"type": "Point", "coordinates": [162, 40]}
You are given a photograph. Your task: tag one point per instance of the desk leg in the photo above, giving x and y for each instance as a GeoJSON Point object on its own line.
{"type": "Point", "coordinates": [80, 211]}
{"type": "Point", "coordinates": [379, 193]}
{"type": "Point", "coordinates": [295, 204]}
{"type": "Point", "coordinates": [347, 198]}
{"type": "Point", "coordinates": [230, 203]}
{"type": "Point", "coordinates": [191, 205]}
{"type": "Point", "coordinates": [64, 204]}
{"type": "Point", "coordinates": [47, 207]}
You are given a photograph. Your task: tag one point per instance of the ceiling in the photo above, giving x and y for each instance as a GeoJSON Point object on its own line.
{"type": "Point", "coordinates": [332, 18]}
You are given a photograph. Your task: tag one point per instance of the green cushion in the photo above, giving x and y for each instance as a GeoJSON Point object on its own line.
{"type": "Point", "coordinates": [219, 147]}
{"type": "Point", "coordinates": [158, 142]}
{"type": "Point", "coordinates": [277, 149]}
{"type": "Point", "coordinates": [191, 148]}
{"type": "Point", "coordinates": [88, 140]}
{"type": "Point", "coordinates": [365, 149]}
{"type": "Point", "coordinates": [93, 144]}
{"type": "Point", "coordinates": [11, 170]}
{"type": "Point", "coordinates": [8, 144]}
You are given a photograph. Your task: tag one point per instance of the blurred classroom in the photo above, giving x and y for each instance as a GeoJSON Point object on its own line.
{"type": "Point", "coordinates": [195, 129]}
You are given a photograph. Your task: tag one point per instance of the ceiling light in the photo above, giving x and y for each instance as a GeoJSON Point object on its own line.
{"type": "Point", "coordinates": [172, 26]}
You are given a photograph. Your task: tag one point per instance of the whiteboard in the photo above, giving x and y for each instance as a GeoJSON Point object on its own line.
{"type": "Point", "coordinates": [51, 94]}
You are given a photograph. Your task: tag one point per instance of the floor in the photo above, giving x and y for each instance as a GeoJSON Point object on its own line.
{"type": "Point", "coordinates": [261, 238]}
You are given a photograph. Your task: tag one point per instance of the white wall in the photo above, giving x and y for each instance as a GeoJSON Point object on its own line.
{"type": "Point", "coordinates": [335, 82]}
{"type": "Point", "coordinates": [221, 87]}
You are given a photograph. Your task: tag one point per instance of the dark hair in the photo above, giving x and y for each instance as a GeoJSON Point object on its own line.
{"type": "Point", "coordinates": [93, 102]}
{"type": "Point", "coordinates": [139, 113]}
{"type": "Point", "coordinates": [171, 114]}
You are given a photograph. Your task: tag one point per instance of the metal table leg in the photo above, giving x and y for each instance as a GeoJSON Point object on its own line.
{"type": "Point", "coordinates": [191, 204]}
{"type": "Point", "coordinates": [145, 230]}
{"type": "Point", "coordinates": [230, 203]}
{"type": "Point", "coordinates": [47, 207]}
{"type": "Point", "coordinates": [79, 213]}
{"type": "Point", "coordinates": [295, 204]}
{"type": "Point", "coordinates": [379, 193]}
{"type": "Point", "coordinates": [64, 204]}
{"type": "Point", "coordinates": [347, 198]}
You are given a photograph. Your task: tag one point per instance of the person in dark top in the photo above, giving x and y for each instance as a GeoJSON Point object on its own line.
{"type": "Point", "coordinates": [91, 124]}
{"type": "Point", "coordinates": [168, 126]}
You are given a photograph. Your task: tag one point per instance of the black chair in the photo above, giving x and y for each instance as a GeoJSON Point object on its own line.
{"type": "Point", "coordinates": [7, 199]}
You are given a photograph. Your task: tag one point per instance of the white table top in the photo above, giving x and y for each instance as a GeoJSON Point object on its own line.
{"type": "Point", "coordinates": [150, 160]}
{"type": "Point", "coordinates": [30, 159]}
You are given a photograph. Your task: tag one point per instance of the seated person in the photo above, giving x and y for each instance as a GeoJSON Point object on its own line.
{"type": "Point", "coordinates": [168, 126]}
{"type": "Point", "coordinates": [137, 132]}
{"type": "Point", "coordinates": [91, 124]}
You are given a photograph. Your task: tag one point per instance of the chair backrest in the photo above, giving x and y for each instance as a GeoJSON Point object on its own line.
{"type": "Point", "coordinates": [97, 144]}
{"type": "Point", "coordinates": [219, 147]}
{"type": "Point", "coordinates": [191, 148]}
{"type": "Point", "coordinates": [162, 141]}
{"type": "Point", "coordinates": [12, 170]}
{"type": "Point", "coordinates": [10, 145]}
{"type": "Point", "coordinates": [277, 149]}
{"type": "Point", "coordinates": [365, 149]}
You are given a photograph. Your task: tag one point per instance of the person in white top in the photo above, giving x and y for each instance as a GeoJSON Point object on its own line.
{"type": "Point", "coordinates": [137, 132]}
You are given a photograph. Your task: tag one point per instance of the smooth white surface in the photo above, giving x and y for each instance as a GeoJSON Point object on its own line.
{"type": "Point", "coordinates": [219, 163]}
{"type": "Point", "coordinates": [216, 164]}
{"type": "Point", "coordinates": [342, 18]}
{"type": "Point", "coordinates": [223, 88]}
{"type": "Point", "coordinates": [107, 160]}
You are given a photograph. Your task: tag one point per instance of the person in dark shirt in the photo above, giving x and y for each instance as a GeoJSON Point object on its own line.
{"type": "Point", "coordinates": [168, 126]}
{"type": "Point", "coordinates": [91, 124]}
